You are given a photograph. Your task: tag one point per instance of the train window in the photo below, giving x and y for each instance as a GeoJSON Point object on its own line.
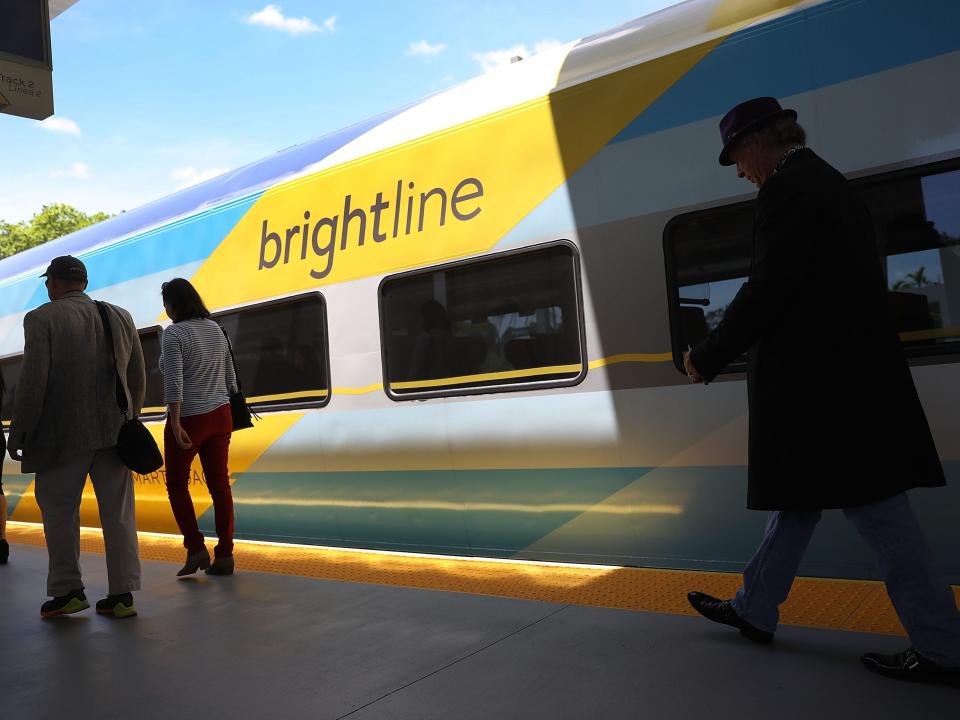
{"type": "Point", "coordinates": [281, 351]}
{"type": "Point", "coordinates": [508, 322]}
{"type": "Point", "coordinates": [280, 348]}
{"type": "Point", "coordinates": [10, 370]}
{"type": "Point", "coordinates": [917, 218]}
{"type": "Point", "coordinates": [708, 257]}
{"type": "Point", "coordinates": [153, 400]}
{"type": "Point", "coordinates": [916, 214]}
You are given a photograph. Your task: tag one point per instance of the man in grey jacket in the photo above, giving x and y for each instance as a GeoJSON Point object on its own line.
{"type": "Point", "coordinates": [65, 424]}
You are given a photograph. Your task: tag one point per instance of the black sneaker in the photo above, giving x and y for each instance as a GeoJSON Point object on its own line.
{"type": "Point", "coordinates": [72, 602]}
{"type": "Point", "coordinates": [120, 606]}
{"type": "Point", "coordinates": [911, 665]}
{"type": "Point", "coordinates": [722, 611]}
{"type": "Point", "coordinates": [4, 552]}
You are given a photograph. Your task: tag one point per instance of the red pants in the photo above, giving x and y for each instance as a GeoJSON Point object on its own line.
{"type": "Point", "coordinates": [210, 437]}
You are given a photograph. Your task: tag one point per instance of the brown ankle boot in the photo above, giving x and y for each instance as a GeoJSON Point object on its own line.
{"type": "Point", "coordinates": [221, 566]}
{"type": "Point", "coordinates": [195, 561]}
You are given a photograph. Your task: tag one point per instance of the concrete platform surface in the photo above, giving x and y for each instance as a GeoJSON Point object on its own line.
{"type": "Point", "coordinates": [259, 645]}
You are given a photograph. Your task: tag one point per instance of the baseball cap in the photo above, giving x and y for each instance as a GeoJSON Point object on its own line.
{"type": "Point", "coordinates": [66, 267]}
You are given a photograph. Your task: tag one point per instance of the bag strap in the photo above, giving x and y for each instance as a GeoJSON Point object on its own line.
{"type": "Point", "coordinates": [233, 360]}
{"type": "Point", "coordinates": [105, 321]}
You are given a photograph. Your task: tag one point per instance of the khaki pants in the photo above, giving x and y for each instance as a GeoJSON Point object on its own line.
{"type": "Point", "coordinates": [58, 491]}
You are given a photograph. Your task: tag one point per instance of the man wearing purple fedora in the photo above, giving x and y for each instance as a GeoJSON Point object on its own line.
{"type": "Point", "coordinates": [835, 420]}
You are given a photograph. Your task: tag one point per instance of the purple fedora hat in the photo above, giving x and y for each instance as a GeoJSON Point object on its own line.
{"type": "Point", "coordinates": [745, 118]}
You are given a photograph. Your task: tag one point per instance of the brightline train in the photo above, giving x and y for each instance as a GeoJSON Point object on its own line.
{"type": "Point", "coordinates": [462, 321]}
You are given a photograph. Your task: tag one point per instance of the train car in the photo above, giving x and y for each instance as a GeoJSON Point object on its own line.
{"type": "Point", "coordinates": [462, 321]}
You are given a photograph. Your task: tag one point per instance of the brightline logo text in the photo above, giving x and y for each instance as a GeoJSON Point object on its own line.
{"type": "Point", "coordinates": [386, 220]}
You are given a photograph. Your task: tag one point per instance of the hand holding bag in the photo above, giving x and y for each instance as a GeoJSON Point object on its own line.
{"type": "Point", "coordinates": [135, 445]}
{"type": "Point", "coordinates": [239, 409]}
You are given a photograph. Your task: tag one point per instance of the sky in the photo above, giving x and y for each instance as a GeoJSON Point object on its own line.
{"type": "Point", "coordinates": [152, 97]}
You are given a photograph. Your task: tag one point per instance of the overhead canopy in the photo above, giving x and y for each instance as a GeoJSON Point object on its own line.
{"type": "Point", "coordinates": [58, 6]}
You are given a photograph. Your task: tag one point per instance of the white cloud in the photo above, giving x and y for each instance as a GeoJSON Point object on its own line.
{"type": "Point", "coordinates": [60, 125]}
{"type": "Point", "coordinates": [546, 46]}
{"type": "Point", "coordinates": [98, 193]}
{"type": "Point", "coordinates": [494, 59]}
{"type": "Point", "coordinates": [188, 176]}
{"type": "Point", "coordinates": [424, 48]}
{"type": "Point", "coordinates": [77, 170]}
{"type": "Point", "coordinates": [272, 16]}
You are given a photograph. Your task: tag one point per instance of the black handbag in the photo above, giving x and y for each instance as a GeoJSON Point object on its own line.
{"type": "Point", "coordinates": [241, 412]}
{"type": "Point", "coordinates": [135, 445]}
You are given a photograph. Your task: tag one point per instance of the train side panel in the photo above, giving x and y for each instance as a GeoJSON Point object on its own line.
{"type": "Point", "coordinates": [631, 466]}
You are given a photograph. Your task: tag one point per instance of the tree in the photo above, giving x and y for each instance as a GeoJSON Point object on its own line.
{"type": "Point", "coordinates": [51, 222]}
{"type": "Point", "coordinates": [917, 279]}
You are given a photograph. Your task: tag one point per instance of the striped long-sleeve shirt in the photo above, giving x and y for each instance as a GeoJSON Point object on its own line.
{"type": "Point", "coordinates": [196, 366]}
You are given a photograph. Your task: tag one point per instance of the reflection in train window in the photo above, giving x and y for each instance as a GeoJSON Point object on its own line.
{"type": "Point", "coordinates": [281, 351]}
{"type": "Point", "coordinates": [916, 214]}
{"type": "Point", "coordinates": [709, 254]}
{"type": "Point", "coordinates": [507, 322]}
{"type": "Point", "coordinates": [917, 218]}
{"type": "Point", "coordinates": [153, 400]}
{"type": "Point", "coordinates": [10, 370]}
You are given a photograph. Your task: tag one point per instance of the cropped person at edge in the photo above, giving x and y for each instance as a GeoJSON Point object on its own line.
{"type": "Point", "coordinates": [821, 436]}
{"type": "Point", "coordinates": [4, 546]}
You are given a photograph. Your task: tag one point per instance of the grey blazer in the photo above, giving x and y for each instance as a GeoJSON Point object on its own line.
{"type": "Point", "coordinates": [66, 402]}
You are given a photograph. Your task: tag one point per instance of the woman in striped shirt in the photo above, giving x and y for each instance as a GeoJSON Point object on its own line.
{"type": "Point", "coordinates": [198, 376]}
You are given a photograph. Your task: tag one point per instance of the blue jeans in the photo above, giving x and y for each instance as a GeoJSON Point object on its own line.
{"type": "Point", "coordinates": [923, 600]}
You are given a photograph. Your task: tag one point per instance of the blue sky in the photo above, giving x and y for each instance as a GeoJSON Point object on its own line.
{"type": "Point", "coordinates": [154, 96]}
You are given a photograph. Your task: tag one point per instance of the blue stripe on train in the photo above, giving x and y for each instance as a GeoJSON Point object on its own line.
{"type": "Point", "coordinates": [14, 486]}
{"type": "Point", "coordinates": [454, 512]}
{"type": "Point", "coordinates": [445, 511]}
{"type": "Point", "coordinates": [507, 513]}
{"type": "Point", "coordinates": [236, 185]}
{"type": "Point", "coordinates": [170, 246]}
{"type": "Point", "coordinates": [821, 46]}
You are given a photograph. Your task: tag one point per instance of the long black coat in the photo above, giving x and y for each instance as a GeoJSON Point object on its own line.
{"type": "Point", "coordinates": [835, 420]}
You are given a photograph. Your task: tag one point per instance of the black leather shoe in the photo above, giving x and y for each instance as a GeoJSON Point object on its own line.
{"type": "Point", "coordinates": [722, 611]}
{"type": "Point", "coordinates": [4, 552]}
{"type": "Point", "coordinates": [911, 665]}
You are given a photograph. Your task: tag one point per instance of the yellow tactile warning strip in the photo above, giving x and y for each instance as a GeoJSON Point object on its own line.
{"type": "Point", "coordinates": [857, 605]}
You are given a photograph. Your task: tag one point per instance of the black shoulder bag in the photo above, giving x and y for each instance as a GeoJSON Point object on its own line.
{"type": "Point", "coordinates": [135, 445]}
{"type": "Point", "coordinates": [239, 409]}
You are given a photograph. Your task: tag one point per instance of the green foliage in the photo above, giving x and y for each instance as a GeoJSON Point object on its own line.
{"type": "Point", "coordinates": [51, 222]}
{"type": "Point", "coordinates": [917, 279]}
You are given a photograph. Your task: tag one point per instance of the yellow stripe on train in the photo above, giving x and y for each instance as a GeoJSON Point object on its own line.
{"type": "Point", "coordinates": [411, 205]}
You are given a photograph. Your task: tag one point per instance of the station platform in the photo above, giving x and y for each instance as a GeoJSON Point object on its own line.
{"type": "Point", "coordinates": [325, 633]}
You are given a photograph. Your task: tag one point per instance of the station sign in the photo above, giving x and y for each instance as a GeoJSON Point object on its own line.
{"type": "Point", "coordinates": [26, 68]}
{"type": "Point", "coordinates": [25, 91]}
